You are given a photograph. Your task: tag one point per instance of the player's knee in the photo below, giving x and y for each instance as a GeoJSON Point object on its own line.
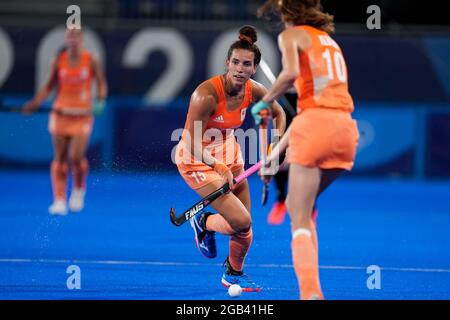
{"type": "Point", "coordinates": [60, 157]}
{"type": "Point", "coordinates": [244, 234]}
{"type": "Point", "coordinates": [242, 224]}
{"type": "Point", "coordinates": [76, 161]}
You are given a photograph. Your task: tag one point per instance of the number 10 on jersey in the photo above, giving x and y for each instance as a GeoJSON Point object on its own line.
{"type": "Point", "coordinates": [335, 65]}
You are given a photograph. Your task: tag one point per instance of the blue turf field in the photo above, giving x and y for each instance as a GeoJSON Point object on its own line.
{"type": "Point", "coordinates": [126, 247]}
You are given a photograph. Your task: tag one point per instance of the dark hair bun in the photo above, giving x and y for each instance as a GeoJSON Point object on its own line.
{"type": "Point", "coordinates": [248, 33]}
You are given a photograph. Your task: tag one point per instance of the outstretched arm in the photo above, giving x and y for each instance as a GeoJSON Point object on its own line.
{"type": "Point", "coordinates": [102, 87]}
{"type": "Point", "coordinates": [40, 97]}
{"type": "Point", "coordinates": [100, 79]}
{"type": "Point", "coordinates": [289, 47]}
{"type": "Point", "coordinates": [278, 114]}
{"type": "Point", "coordinates": [290, 42]}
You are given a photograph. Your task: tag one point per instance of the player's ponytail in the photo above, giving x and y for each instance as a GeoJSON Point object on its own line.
{"type": "Point", "coordinates": [248, 33]}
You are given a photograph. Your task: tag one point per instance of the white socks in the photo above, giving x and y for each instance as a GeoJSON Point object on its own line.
{"type": "Point", "coordinates": [58, 207]}
{"type": "Point", "coordinates": [76, 202]}
{"type": "Point", "coordinates": [301, 231]}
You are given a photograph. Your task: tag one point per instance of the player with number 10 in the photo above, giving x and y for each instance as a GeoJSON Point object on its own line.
{"type": "Point", "coordinates": [322, 139]}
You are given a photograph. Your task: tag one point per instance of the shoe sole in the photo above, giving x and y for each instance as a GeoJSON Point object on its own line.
{"type": "Point", "coordinates": [227, 285]}
{"type": "Point", "coordinates": [76, 209]}
{"type": "Point", "coordinates": [274, 222]}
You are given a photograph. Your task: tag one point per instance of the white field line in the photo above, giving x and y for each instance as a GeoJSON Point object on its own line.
{"type": "Point", "coordinates": [184, 264]}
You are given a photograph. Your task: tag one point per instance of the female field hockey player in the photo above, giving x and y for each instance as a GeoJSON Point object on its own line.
{"type": "Point", "coordinates": [323, 137]}
{"type": "Point", "coordinates": [217, 107]}
{"type": "Point", "coordinates": [71, 120]}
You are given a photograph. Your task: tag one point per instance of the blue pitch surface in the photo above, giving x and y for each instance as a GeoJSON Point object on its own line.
{"type": "Point", "coordinates": [126, 247]}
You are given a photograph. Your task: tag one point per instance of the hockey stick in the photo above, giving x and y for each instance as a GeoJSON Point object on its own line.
{"type": "Point", "coordinates": [203, 203]}
{"type": "Point", "coordinates": [263, 134]}
{"type": "Point", "coordinates": [271, 77]}
{"type": "Point", "coordinates": [19, 109]}
{"type": "Point", "coordinates": [66, 112]}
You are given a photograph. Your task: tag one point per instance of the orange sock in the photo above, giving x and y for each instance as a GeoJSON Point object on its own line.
{"type": "Point", "coordinates": [239, 245]}
{"type": "Point", "coordinates": [216, 222]}
{"type": "Point", "coordinates": [306, 266]}
{"type": "Point", "coordinates": [239, 242]}
{"type": "Point", "coordinates": [80, 172]}
{"type": "Point", "coordinates": [58, 173]}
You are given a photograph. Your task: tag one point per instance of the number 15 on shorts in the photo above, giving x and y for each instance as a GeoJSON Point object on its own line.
{"type": "Point", "coordinates": [198, 176]}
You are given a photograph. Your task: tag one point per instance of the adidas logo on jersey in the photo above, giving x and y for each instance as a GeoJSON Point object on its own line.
{"type": "Point", "coordinates": [219, 119]}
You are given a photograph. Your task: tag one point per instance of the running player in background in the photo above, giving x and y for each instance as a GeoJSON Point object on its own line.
{"type": "Point", "coordinates": [219, 105]}
{"type": "Point", "coordinates": [323, 137]}
{"type": "Point", "coordinates": [71, 120]}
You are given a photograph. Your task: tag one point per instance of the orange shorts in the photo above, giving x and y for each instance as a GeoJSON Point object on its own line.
{"type": "Point", "coordinates": [324, 138]}
{"type": "Point", "coordinates": [70, 125]}
{"type": "Point", "coordinates": [199, 176]}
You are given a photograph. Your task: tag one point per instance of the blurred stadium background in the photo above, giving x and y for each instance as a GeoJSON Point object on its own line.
{"type": "Point", "coordinates": [156, 52]}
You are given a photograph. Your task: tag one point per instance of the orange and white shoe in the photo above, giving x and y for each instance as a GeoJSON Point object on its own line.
{"type": "Point", "coordinates": [277, 214]}
{"type": "Point", "coordinates": [76, 201]}
{"type": "Point", "coordinates": [58, 207]}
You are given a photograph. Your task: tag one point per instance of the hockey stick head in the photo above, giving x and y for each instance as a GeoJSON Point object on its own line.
{"type": "Point", "coordinates": [264, 194]}
{"type": "Point", "coordinates": [173, 217]}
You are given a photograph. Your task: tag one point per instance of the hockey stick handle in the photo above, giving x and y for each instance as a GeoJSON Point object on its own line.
{"type": "Point", "coordinates": [248, 172]}
{"type": "Point", "coordinates": [64, 112]}
{"type": "Point", "coordinates": [263, 148]}
{"type": "Point", "coordinates": [19, 109]}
